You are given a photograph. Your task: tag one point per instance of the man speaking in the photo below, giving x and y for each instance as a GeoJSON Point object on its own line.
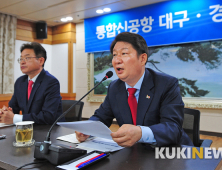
{"type": "Point", "coordinates": [146, 104]}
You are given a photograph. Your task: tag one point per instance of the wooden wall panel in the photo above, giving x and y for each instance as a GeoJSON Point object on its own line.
{"type": "Point", "coordinates": [26, 25]}
{"type": "Point", "coordinates": [70, 66]}
{"type": "Point", "coordinates": [4, 99]}
{"type": "Point", "coordinates": [25, 33]}
{"type": "Point", "coordinates": [4, 103]}
{"type": "Point", "coordinates": [62, 36]}
{"type": "Point", "coordinates": [68, 96]}
{"type": "Point", "coordinates": [45, 41]}
{"type": "Point", "coordinates": [70, 27]}
{"type": "Point", "coordinates": [64, 33]}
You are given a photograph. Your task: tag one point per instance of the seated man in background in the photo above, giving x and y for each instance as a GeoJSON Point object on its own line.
{"type": "Point", "coordinates": [37, 93]}
{"type": "Point", "coordinates": [146, 104]}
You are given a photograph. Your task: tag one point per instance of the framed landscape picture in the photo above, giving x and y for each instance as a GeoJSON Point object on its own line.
{"type": "Point", "coordinates": [198, 67]}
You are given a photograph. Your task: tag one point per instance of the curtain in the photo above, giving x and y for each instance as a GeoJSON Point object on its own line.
{"type": "Point", "coordinates": [7, 52]}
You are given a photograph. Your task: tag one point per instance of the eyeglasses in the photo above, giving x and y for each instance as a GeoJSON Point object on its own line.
{"type": "Point", "coordinates": [25, 59]}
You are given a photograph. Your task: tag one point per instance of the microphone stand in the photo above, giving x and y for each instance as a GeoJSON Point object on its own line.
{"type": "Point", "coordinates": [55, 154]}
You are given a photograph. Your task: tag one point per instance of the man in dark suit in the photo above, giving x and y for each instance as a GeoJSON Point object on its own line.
{"type": "Point", "coordinates": [36, 94]}
{"type": "Point", "coordinates": [146, 104]}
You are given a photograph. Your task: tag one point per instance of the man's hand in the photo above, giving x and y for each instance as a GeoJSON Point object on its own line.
{"type": "Point", "coordinates": [81, 137]}
{"type": "Point", "coordinates": [6, 115]}
{"type": "Point", "coordinates": [127, 135]}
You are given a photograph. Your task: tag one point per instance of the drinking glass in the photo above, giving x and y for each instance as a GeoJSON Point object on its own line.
{"type": "Point", "coordinates": [24, 134]}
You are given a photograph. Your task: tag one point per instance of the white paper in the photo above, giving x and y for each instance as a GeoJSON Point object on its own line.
{"type": "Point", "coordinates": [72, 138]}
{"type": "Point", "coordinates": [72, 166]}
{"type": "Point", "coordinates": [69, 138]}
{"type": "Point", "coordinates": [3, 124]}
{"type": "Point", "coordinates": [87, 149]}
{"type": "Point", "coordinates": [92, 143]}
{"type": "Point", "coordinates": [94, 128]}
{"type": "Point", "coordinates": [100, 144]}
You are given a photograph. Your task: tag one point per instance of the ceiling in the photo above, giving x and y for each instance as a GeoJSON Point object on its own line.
{"type": "Point", "coordinates": [52, 11]}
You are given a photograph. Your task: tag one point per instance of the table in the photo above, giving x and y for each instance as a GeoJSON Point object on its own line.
{"type": "Point", "coordinates": [133, 158]}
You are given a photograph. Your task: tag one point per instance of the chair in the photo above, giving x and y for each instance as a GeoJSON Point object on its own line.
{"type": "Point", "coordinates": [75, 114]}
{"type": "Point", "coordinates": [191, 125]}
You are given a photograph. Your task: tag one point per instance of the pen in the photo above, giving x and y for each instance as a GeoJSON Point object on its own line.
{"type": "Point", "coordinates": [82, 164]}
{"type": "Point", "coordinates": [90, 161]}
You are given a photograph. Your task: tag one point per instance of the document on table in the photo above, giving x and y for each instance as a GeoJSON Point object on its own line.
{"type": "Point", "coordinates": [3, 125]}
{"type": "Point", "coordinates": [69, 138]}
{"type": "Point", "coordinates": [92, 143]}
{"type": "Point", "coordinates": [102, 141]}
{"type": "Point", "coordinates": [100, 144]}
{"type": "Point", "coordinates": [94, 128]}
{"type": "Point", "coordinates": [72, 138]}
{"type": "Point", "coordinates": [73, 165]}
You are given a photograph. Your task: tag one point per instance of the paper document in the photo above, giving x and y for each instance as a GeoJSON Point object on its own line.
{"type": "Point", "coordinates": [100, 144]}
{"type": "Point", "coordinates": [3, 125]}
{"type": "Point", "coordinates": [92, 143]}
{"type": "Point", "coordinates": [94, 128]}
{"type": "Point", "coordinates": [69, 138]}
{"type": "Point", "coordinates": [72, 138]}
{"type": "Point", "coordinates": [102, 141]}
{"type": "Point", "coordinates": [72, 166]}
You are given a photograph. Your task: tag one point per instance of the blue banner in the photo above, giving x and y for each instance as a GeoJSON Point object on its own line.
{"type": "Point", "coordinates": [171, 22]}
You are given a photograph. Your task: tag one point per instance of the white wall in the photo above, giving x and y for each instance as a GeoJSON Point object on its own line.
{"type": "Point", "coordinates": [210, 120]}
{"type": "Point", "coordinates": [81, 72]}
{"type": "Point", "coordinates": [60, 65]}
{"type": "Point", "coordinates": [56, 63]}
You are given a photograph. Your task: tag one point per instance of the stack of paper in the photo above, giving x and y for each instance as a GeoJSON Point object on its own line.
{"type": "Point", "coordinates": [93, 128]}
{"type": "Point", "coordinates": [102, 141]}
{"type": "Point", "coordinates": [100, 144]}
{"type": "Point", "coordinates": [69, 138]}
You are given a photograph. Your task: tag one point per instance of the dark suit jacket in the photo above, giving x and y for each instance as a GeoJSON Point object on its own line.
{"type": "Point", "coordinates": [162, 112]}
{"type": "Point", "coordinates": [44, 105]}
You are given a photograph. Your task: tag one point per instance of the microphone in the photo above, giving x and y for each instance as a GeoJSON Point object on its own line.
{"type": "Point", "coordinates": [59, 154]}
{"type": "Point", "coordinates": [108, 75]}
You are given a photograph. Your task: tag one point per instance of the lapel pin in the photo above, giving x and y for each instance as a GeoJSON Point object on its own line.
{"type": "Point", "coordinates": [148, 97]}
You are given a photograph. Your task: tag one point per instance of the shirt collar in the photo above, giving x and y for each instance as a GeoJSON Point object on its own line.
{"type": "Point", "coordinates": [138, 84]}
{"type": "Point", "coordinates": [34, 78]}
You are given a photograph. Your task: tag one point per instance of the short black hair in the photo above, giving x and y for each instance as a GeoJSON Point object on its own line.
{"type": "Point", "coordinates": [136, 40]}
{"type": "Point", "coordinates": [38, 49]}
